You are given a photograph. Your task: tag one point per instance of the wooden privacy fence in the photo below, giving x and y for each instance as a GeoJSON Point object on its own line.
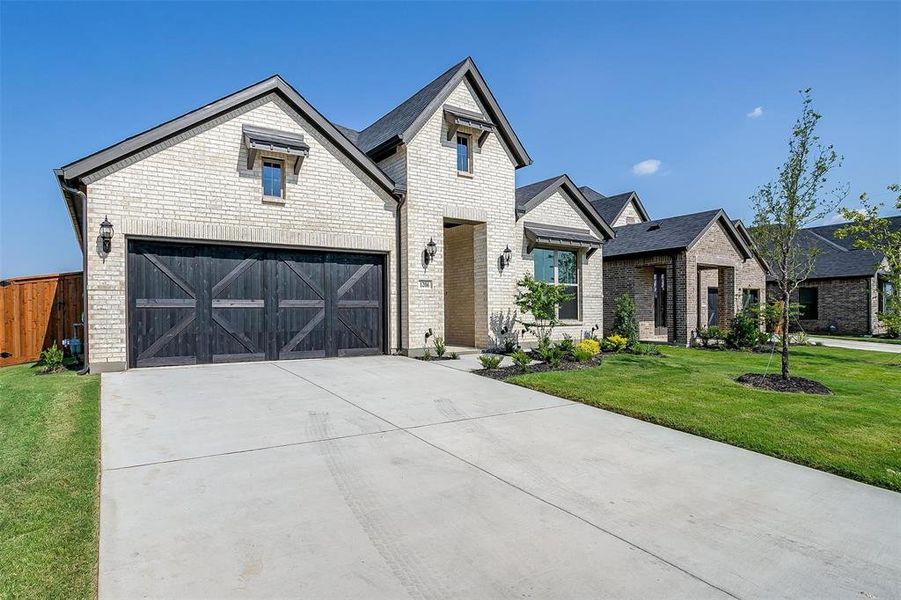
{"type": "Point", "coordinates": [37, 311]}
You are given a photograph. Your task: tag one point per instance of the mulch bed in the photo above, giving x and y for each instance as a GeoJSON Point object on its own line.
{"type": "Point", "coordinates": [567, 365]}
{"type": "Point", "coordinates": [775, 383]}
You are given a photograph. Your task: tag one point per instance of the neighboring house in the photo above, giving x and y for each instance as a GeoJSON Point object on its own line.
{"type": "Point", "coordinates": [845, 291]}
{"type": "Point", "coordinates": [254, 228]}
{"type": "Point", "coordinates": [683, 273]}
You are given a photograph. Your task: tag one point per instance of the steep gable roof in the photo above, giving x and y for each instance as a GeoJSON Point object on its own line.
{"type": "Point", "coordinates": [403, 122]}
{"type": "Point", "coordinates": [611, 207]}
{"type": "Point", "coordinates": [531, 195]}
{"type": "Point", "coordinates": [671, 234]}
{"type": "Point", "coordinates": [275, 84]}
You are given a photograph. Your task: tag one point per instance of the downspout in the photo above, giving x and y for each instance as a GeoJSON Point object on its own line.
{"type": "Point", "coordinates": [84, 272]}
{"type": "Point", "coordinates": [400, 288]}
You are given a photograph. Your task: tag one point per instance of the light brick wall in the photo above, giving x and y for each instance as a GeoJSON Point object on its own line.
{"type": "Point", "coordinates": [196, 187]}
{"type": "Point", "coordinates": [842, 303]}
{"type": "Point", "coordinates": [629, 215]}
{"type": "Point", "coordinates": [434, 192]}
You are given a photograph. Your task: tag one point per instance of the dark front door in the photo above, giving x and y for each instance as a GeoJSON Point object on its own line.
{"type": "Point", "coordinates": [712, 302]}
{"type": "Point", "coordinates": [660, 301]}
{"type": "Point", "coordinates": [198, 304]}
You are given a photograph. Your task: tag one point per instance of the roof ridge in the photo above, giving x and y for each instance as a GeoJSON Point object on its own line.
{"type": "Point", "coordinates": [835, 245]}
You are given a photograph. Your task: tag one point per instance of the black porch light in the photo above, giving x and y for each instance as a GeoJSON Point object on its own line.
{"type": "Point", "coordinates": [106, 235]}
{"type": "Point", "coordinates": [506, 256]}
{"type": "Point", "coordinates": [430, 249]}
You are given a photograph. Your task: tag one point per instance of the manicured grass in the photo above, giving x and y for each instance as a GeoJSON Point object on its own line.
{"type": "Point", "coordinates": [856, 338]}
{"type": "Point", "coordinates": [854, 432]}
{"type": "Point", "coordinates": [49, 449]}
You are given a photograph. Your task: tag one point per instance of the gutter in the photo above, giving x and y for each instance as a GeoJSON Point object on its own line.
{"type": "Point", "coordinates": [84, 261]}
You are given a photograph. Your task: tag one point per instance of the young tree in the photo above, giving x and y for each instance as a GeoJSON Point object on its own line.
{"type": "Point", "coordinates": [624, 322]}
{"type": "Point", "coordinates": [541, 300]}
{"type": "Point", "coordinates": [796, 199]}
{"type": "Point", "coordinates": [874, 233]}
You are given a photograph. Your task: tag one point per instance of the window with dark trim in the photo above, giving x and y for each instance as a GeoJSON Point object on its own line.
{"type": "Point", "coordinates": [750, 297]}
{"type": "Point", "coordinates": [886, 291]}
{"type": "Point", "coordinates": [560, 267]}
{"type": "Point", "coordinates": [464, 153]}
{"type": "Point", "coordinates": [808, 300]}
{"type": "Point", "coordinates": [659, 298]}
{"type": "Point", "coordinates": [273, 178]}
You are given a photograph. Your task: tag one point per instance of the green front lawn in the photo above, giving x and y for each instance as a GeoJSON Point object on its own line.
{"type": "Point", "coordinates": [49, 426]}
{"type": "Point", "coordinates": [856, 432]}
{"type": "Point", "coordinates": [857, 338]}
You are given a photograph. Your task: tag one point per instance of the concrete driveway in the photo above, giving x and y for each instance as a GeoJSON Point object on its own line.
{"type": "Point", "coordinates": [385, 477]}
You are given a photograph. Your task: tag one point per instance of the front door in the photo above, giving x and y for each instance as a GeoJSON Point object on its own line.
{"type": "Point", "coordinates": [712, 303]}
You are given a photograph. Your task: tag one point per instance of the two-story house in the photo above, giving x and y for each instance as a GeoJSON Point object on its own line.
{"type": "Point", "coordinates": [254, 228]}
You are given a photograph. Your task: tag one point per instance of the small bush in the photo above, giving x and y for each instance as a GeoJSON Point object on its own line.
{"type": "Point", "coordinates": [763, 338]}
{"type": "Point", "coordinates": [440, 346]}
{"type": "Point", "coordinates": [581, 354]}
{"type": "Point", "coordinates": [567, 345]}
{"type": "Point", "coordinates": [743, 331]}
{"type": "Point", "coordinates": [490, 361]}
{"type": "Point", "coordinates": [521, 359]}
{"type": "Point", "coordinates": [553, 356]}
{"type": "Point", "coordinates": [590, 345]}
{"type": "Point", "coordinates": [426, 354]}
{"type": "Point", "coordinates": [510, 346]}
{"type": "Point", "coordinates": [615, 343]}
{"type": "Point", "coordinates": [52, 359]}
{"type": "Point", "coordinates": [645, 350]}
{"type": "Point", "coordinates": [454, 356]}
{"type": "Point", "coordinates": [624, 322]}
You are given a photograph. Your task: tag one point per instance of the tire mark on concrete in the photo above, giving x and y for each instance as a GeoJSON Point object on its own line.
{"type": "Point", "coordinates": [370, 512]}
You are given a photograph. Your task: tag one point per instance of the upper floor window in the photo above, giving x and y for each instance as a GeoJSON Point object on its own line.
{"type": "Point", "coordinates": [560, 267]}
{"type": "Point", "coordinates": [808, 299]}
{"type": "Point", "coordinates": [273, 178]}
{"type": "Point", "coordinates": [464, 153]}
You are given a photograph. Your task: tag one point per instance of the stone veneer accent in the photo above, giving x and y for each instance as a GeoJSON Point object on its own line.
{"type": "Point", "coordinates": [196, 187]}
{"type": "Point", "coordinates": [459, 285]}
{"type": "Point", "coordinates": [851, 305]}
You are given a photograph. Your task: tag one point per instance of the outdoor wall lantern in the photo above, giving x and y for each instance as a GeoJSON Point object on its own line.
{"type": "Point", "coordinates": [506, 257]}
{"type": "Point", "coordinates": [430, 249]}
{"type": "Point", "coordinates": [106, 235]}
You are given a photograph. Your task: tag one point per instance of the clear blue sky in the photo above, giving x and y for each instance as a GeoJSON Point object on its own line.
{"type": "Point", "coordinates": [591, 89]}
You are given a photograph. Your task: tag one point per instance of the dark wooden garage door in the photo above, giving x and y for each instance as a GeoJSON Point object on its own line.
{"type": "Point", "coordinates": [191, 303]}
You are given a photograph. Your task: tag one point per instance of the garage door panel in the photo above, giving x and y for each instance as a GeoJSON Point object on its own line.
{"type": "Point", "coordinates": [198, 303]}
{"type": "Point", "coordinates": [238, 329]}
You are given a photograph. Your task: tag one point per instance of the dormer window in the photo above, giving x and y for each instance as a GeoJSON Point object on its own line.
{"type": "Point", "coordinates": [273, 178]}
{"type": "Point", "coordinates": [464, 153]}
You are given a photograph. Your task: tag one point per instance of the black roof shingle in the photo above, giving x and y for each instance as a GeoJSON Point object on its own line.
{"type": "Point", "coordinates": [667, 235]}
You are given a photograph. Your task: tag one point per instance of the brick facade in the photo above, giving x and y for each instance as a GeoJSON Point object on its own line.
{"type": "Point", "coordinates": [713, 261]}
{"type": "Point", "coordinates": [196, 187]}
{"type": "Point", "coordinates": [850, 306]}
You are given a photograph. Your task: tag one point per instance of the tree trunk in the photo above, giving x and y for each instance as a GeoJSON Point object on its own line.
{"type": "Point", "coordinates": [785, 298]}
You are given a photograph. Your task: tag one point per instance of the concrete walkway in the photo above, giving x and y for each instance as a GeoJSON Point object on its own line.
{"type": "Point", "coordinates": [385, 477]}
{"type": "Point", "coordinates": [857, 345]}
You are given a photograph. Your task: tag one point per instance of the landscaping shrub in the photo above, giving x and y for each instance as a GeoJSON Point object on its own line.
{"type": "Point", "coordinates": [52, 359]}
{"type": "Point", "coordinates": [645, 350]}
{"type": "Point", "coordinates": [541, 300]}
{"type": "Point", "coordinates": [624, 322]}
{"type": "Point", "coordinates": [544, 348]}
{"type": "Point", "coordinates": [743, 331]}
{"type": "Point", "coordinates": [553, 356]}
{"type": "Point", "coordinates": [712, 333]}
{"type": "Point", "coordinates": [426, 354]}
{"type": "Point", "coordinates": [521, 359]}
{"type": "Point", "coordinates": [440, 346]}
{"type": "Point", "coordinates": [567, 345]}
{"type": "Point", "coordinates": [490, 361]}
{"type": "Point", "coordinates": [615, 343]}
{"type": "Point", "coordinates": [590, 345]}
{"type": "Point", "coordinates": [580, 354]}
{"type": "Point", "coordinates": [454, 356]}
{"type": "Point", "coordinates": [510, 346]}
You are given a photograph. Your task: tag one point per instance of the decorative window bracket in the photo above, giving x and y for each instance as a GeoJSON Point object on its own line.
{"type": "Point", "coordinates": [258, 139]}
{"type": "Point", "coordinates": [471, 121]}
